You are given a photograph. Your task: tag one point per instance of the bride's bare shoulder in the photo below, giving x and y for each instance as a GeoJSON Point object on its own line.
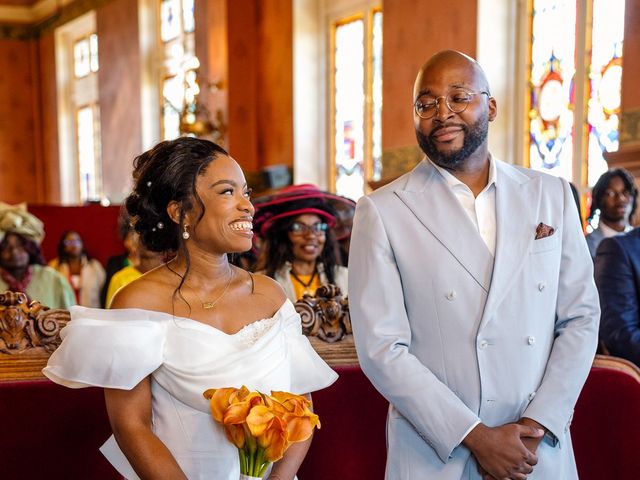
{"type": "Point", "coordinates": [150, 292]}
{"type": "Point", "coordinates": [268, 287]}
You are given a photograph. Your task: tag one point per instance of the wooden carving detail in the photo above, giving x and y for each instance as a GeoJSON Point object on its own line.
{"type": "Point", "coordinates": [326, 314]}
{"type": "Point", "coordinates": [32, 329]}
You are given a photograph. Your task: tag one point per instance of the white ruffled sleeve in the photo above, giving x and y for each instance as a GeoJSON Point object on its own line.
{"type": "Point", "coordinates": [309, 372]}
{"type": "Point", "coordinates": [107, 348]}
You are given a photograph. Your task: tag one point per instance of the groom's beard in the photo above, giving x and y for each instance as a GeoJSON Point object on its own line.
{"type": "Point", "coordinates": [474, 136]}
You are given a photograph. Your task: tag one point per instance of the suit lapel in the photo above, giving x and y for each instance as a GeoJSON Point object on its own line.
{"type": "Point", "coordinates": [517, 204]}
{"type": "Point", "coordinates": [430, 199]}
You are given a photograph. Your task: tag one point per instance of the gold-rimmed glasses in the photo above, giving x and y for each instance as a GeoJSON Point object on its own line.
{"type": "Point", "coordinates": [457, 101]}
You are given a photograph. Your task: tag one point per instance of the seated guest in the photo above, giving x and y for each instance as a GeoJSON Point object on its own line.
{"type": "Point", "coordinates": [617, 274]}
{"type": "Point", "coordinates": [124, 259]}
{"type": "Point", "coordinates": [144, 261]}
{"type": "Point", "coordinates": [85, 274]}
{"type": "Point", "coordinates": [614, 199]}
{"type": "Point", "coordinates": [22, 267]}
{"type": "Point", "coordinates": [298, 245]}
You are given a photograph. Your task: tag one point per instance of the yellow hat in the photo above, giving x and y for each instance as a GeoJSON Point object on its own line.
{"type": "Point", "coordinates": [16, 219]}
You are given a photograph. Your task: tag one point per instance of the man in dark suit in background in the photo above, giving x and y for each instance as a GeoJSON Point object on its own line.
{"type": "Point", "coordinates": [617, 273]}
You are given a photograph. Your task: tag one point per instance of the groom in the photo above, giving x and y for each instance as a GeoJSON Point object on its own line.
{"type": "Point", "coordinates": [471, 297]}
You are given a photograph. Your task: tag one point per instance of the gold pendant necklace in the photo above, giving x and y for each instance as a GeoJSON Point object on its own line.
{"type": "Point", "coordinates": [210, 305]}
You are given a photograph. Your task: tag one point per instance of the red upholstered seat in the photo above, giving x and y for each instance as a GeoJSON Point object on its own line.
{"type": "Point", "coordinates": [53, 432]}
{"type": "Point", "coordinates": [351, 443]}
{"type": "Point", "coordinates": [606, 422]}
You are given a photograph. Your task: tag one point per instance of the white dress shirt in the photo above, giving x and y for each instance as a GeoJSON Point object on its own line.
{"type": "Point", "coordinates": [481, 209]}
{"type": "Point", "coordinates": [607, 231]}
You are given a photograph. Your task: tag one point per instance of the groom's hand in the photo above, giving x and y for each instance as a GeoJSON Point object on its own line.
{"type": "Point", "coordinates": [501, 452]}
{"type": "Point", "coordinates": [531, 442]}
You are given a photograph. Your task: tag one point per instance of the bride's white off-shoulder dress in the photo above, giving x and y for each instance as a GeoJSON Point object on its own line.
{"type": "Point", "coordinates": [119, 348]}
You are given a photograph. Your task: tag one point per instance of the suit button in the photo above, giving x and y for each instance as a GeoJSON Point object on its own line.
{"type": "Point", "coordinates": [484, 344]}
{"type": "Point", "coordinates": [541, 286]}
{"type": "Point", "coordinates": [531, 340]}
{"type": "Point", "coordinates": [531, 395]}
{"type": "Point", "coordinates": [451, 295]}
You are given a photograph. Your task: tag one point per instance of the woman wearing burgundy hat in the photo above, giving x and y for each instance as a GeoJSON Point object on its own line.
{"type": "Point", "coordinates": [299, 247]}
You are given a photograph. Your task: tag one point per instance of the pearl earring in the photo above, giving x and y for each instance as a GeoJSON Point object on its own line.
{"type": "Point", "coordinates": [185, 234]}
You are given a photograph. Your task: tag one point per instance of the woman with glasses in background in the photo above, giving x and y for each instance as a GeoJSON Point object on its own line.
{"type": "Point", "coordinates": [614, 199]}
{"type": "Point", "coordinates": [85, 275]}
{"type": "Point", "coordinates": [299, 249]}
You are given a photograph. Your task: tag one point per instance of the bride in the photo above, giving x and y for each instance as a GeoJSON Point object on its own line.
{"type": "Point", "coordinates": [194, 323]}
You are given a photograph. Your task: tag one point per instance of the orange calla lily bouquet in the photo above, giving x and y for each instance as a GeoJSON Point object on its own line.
{"type": "Point", "coordinates": [261, 426]}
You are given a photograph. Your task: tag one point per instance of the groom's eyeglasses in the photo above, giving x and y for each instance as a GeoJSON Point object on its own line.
{"type": "Point", "coordinates": [456, 101]}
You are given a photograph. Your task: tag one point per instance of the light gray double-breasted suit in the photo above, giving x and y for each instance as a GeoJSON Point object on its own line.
{"type": "Point", "coordinates": [451, 336]}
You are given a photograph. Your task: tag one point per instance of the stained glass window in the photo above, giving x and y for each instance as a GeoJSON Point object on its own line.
{"type": "Point", "coordinates": [556, 70]}
{"type": "Point", "coordinates": [377, 96]}
{"type": "Point", "coordinates": [551, 113]}
{"type": "Point", "coordinates": [349, 108]}
{"type": "Point", "coordinates": [605, 75]}
{"type": "Point", "coordinates": [357, 103]}
{"type": "Point", "coordinates": [89, 163]}
{"type": "Point", "coordinates": [170, 15]}
{"type": "Point", "coordinates": [188, 15]}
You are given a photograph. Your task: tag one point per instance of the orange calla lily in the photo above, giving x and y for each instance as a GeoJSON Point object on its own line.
{"type": "Point", "coordinates": [237, 412]}
{"type": "Point", "coordinates": [300, 427]}
{"type": "Point", "coordinates": [259, 419]}
{"type": "Point", "coordinates": [219, 399]}
{"type": "Point", "coordinates": [290, 399]}
{"type": "Point", "coordinates": [242, 393]}
{"type": "Point", "coordinates": [274, 440]}
{"type": "Point", "coordinates": [235, 434]}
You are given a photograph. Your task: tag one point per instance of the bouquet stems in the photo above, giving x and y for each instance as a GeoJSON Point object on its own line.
{"type": "Point", "coordinates": [253, 464]}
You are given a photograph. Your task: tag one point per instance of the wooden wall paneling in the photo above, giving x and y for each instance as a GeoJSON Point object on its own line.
{"type": "Point", "coordinates": [413, 30]}
{"type": "Point", "coordinates": [275, 85]}
{"type": "Point", "coordinates": [242, 24]}
{"type": "Point", "coordinates": [119, 87]}
{"type": "Point", "coordinates": [49, 157]}
{"type": "Point", "coordinates": [631, 56]}
{"type": "Point", "coordinates": [39, 165]}
{"type": "Point", "coordinates": [260, 88]}
{"type": "Point", "coordinates": [17, 124]}
{"type": "Point", "coordinates": [212, 51]}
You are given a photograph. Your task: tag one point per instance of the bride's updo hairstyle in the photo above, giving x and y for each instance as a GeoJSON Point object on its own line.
{"type": "Point", "coordinates": [167, 173]}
